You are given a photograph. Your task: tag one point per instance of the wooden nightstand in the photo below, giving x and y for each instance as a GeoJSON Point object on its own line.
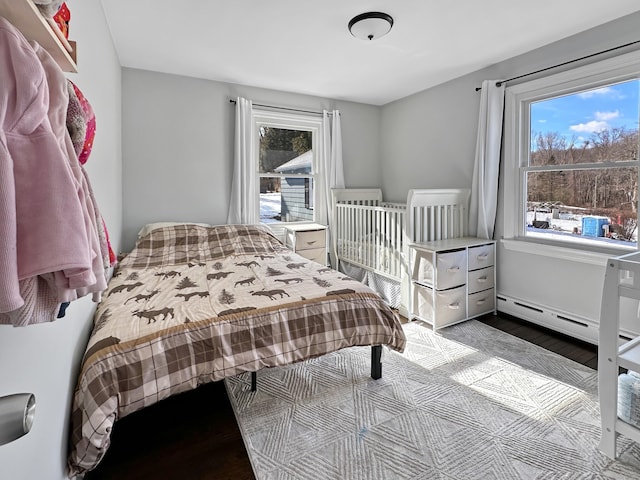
{"type": "Point", "coordinates": [308, 240]}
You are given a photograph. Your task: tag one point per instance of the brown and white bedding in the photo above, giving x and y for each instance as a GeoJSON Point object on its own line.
{"type": "Point", "coordinates": [192, 304]}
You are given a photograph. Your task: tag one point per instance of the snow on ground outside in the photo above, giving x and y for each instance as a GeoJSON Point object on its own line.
{"type": "Point", "coordinates": [269, 207]}
{"type": "Point", "coordinates": [565, 225]}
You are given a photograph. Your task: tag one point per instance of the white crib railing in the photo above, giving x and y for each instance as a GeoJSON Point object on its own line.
{"type": "Point", "coordinates": [372, 236]}
{"type": "Point", "coordinates": [437, 214]}
{"type": "Point", "coordinates": [375, 235]}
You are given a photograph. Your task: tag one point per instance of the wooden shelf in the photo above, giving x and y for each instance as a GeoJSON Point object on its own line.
{"type": "Point", "coordinates": [26, 17]}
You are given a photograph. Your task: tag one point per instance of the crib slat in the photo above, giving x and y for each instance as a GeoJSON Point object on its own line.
{"type": "Point", "coordinates": [390, 246]}
{"type": "Point", "coordinates": [367, 228]}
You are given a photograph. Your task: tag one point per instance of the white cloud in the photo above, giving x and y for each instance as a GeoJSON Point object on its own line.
{"type": "Point", "coordinates": [542, 120]}
{"type": "Point", "coordinates": [604, 116]}
{"type": "Point", "coordinates": [590, 127]}
{"type": "Point", "coordinates": [597, 125]}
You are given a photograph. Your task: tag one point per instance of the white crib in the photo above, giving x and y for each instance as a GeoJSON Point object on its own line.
{"type": "Point", "coordinates": [372, 235]}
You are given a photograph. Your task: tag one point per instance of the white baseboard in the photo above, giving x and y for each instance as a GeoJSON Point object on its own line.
{"type": "Point", "coordinates": [563, 322]}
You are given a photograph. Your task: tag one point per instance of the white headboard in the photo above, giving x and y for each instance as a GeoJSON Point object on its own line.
{"type": "Point", "coordinates": [435, 214]}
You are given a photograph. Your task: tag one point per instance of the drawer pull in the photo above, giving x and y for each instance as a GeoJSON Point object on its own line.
{"type": "Point", "coordinates": [481, 301]}
{"type": "Point", "coordinates": [481, 279]}
{"type": "Point", "coordinates": [312, 242]}
{"type": "Point", "coordinates": [454, 306]}
{"type": "Point", "coordinates": [482, 256]}
{"type": "Point", "coordinates": [453, 269]}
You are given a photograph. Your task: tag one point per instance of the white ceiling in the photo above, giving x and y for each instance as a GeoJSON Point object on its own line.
{"type": "Point", "coordinates": [304, 46]}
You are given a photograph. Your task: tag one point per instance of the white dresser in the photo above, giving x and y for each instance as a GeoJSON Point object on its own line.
{"type": "Point", "coordinates": [452, 280]}
{"type": "Point", "coordinates": [308, 240]}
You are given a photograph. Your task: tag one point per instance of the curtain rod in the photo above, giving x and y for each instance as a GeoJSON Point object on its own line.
{"type": "Point", "coordinates": [231, 100]}
{"type": "Point", "coordinates": [563, 63]}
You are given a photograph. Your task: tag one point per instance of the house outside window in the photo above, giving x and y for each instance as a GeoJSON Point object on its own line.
{"type": "Point", "coordinates": [308, 193]}
{"type": "Point", "coordinates": [286, 158]}
{"type": "Point", "coordinates": [571, 157]}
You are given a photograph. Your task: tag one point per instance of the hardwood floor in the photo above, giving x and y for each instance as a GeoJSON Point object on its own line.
{"type": "Point", "coordinates": [191, 436]}
{"type": "Point", "coordinates": [576, 350]}
{"type": "Point", "coordinates": [195, 436]}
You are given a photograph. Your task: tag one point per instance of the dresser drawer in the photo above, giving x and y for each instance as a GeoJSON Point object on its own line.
{"type": "Point", "coordinates": [318, 255]}
{"type": "Point", "coordinates": [310, 239]}
{"type": "Point", "coordinates": [482, 302]}
{"type": "Point", "coordinates": [481, 279]}
{"type": "Point", "coordinates": [450, 269]}
{"type": "Point", "coordinates": [481, 256]}
{"type": "Point", "coordinates": [443, 308]}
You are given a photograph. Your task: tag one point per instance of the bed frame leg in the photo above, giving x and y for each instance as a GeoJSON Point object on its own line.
{"type": "Point", "coordinates": [254, 381]}
{"type": "Point", "coordinates": [376, 364]}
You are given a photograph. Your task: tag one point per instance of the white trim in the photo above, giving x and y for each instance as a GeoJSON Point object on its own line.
{"type": "Point", "coordinates": [290, 121]}
{"type": "Point", "coordinates": [516, 126]}
{"type": "Point", "coordinates": [616, 69]}
{"type": "Point", "coordinates": [557, 252]}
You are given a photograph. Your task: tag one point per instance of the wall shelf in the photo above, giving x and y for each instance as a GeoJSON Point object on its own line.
{"type": "Point", "coordinates": [26, 17]}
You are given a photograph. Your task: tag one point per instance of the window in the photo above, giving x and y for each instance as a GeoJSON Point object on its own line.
{"type": "Point", "coordinates": [286, 156]}
{"type": "Point", "coordinates": [571, 157]}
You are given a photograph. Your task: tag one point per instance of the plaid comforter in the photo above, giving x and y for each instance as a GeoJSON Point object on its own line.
{"type": "Point", "coordinates": [191, 305]}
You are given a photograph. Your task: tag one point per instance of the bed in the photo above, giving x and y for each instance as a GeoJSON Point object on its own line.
{"type": "Point", "coordinates": [370, 236]}
{"type": "Point", "coordinates": [193, 304]}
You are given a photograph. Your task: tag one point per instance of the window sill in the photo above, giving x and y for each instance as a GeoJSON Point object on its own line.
{"type": "Point", "coordinates": [560, 252]}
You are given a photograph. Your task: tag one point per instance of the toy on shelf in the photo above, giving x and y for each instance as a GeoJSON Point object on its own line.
{"type": "Point", "coordinates": [62, 19]}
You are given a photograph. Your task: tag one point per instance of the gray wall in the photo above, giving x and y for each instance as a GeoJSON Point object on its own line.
{"type": "Point", "coordinates": [429, 140]}
{"type": "Point", "coordinates": [178, 145]}
{"type": "Point", "coordinates": [177, 137]}
{"type": "Point", "coordinates": [44, 359]}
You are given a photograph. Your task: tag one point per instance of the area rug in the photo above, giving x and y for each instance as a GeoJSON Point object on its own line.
{"type": "Point", "coordinates": [470, 402]}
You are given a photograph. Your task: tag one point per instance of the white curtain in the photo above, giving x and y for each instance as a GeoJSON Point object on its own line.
{"type": "Point", "coordinates": [484, 189]}
{"type": "Point", "coordinates": [244, 205]}
{"type": "Point", "coordinates": [332, 169]}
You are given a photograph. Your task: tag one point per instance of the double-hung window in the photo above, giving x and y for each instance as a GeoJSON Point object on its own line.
{"type": "Point", "coordinates": [286, 156]}
{"type": "Point", "coordinates": [571, 157]}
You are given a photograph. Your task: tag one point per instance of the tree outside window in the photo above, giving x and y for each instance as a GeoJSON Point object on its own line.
{"type": "Point", "coordinates": [286, 169]}
{"type": "Point", "coordinates": [579, 173]}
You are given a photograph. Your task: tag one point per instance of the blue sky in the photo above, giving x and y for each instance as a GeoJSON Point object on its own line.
{"type": "Point", "coordinates": [579, 115]}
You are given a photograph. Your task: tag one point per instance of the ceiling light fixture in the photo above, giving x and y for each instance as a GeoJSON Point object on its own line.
{"type": "Point", "coordinates": [370, 25]}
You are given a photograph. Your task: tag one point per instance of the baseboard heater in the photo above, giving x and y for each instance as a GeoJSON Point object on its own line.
{"type": "Point", "coordinates": [563, 322]}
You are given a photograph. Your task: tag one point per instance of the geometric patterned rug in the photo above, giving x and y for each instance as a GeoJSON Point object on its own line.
{"type": "Point", "coordinates": [469, 402]}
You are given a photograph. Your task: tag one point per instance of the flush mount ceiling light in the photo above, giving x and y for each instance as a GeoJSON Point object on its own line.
{"type": "Point", "coordinates": [370, 25]}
